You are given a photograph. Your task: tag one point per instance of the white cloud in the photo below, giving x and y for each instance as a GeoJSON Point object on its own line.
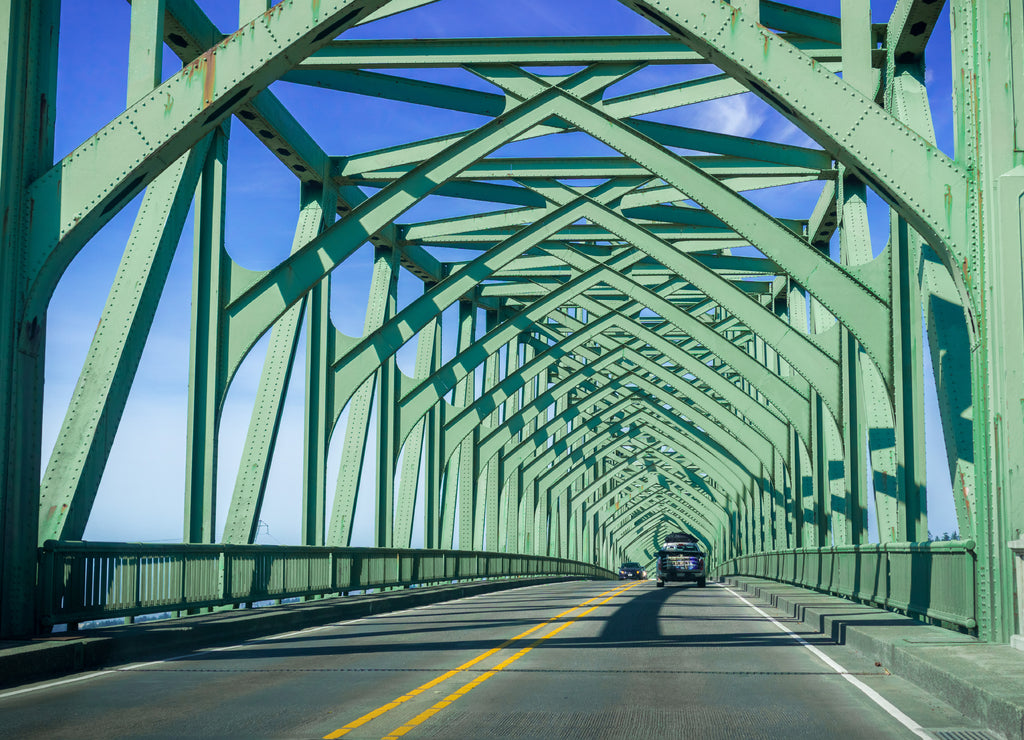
{"type": "Point", "coordinates": [734, 115]}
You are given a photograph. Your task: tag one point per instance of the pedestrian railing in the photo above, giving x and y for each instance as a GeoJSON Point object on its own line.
{"type": "Point", "coordinates": [936, 580]}
{"type": "Point", "coordinates": [81, 581]}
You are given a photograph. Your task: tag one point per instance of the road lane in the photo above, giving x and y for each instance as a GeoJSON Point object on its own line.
{"type": "Point", "coordinates": [520, 644]}
{"type": "Point", "coordinates": [674, 662]}
{"type": "Point", "coordinates": [295, 685]}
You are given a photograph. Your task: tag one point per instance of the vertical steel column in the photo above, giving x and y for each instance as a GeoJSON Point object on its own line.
{"type": "Point", "coordinates": [587, 516]}
{"type": "Point", "coordinates": [560, 497]}
{"type": "Point", "coordinates": [578, 518]}
{"type": "Point", "coordinates": [908, 382]}
{"type": "Point", "coordinates": [387, 396]}
{"type": "Point", "coordinates": [867, 416]}
{"type": "Point", "coordinates": [450, 467]}
{"type": "Point", "coordinates": [908, 369]}
{"type": "Point", "coordinates": [544, 520]}
{"type": "Point", "coordinates": [752, 492]}
{"type": "Point", "coordinates": [796, 488]}
{"type": "Point", "coordinates": [793, 492]}
{"type": "Point", "coordinates": [529, 491]}
{"type": "Point", "coordinates": [762, 487]}
{"type": "Point", "coordinates": [988, 86]}
{"type": "Point", "coordinates": [832, 471]}
{"type": "Point", "coordinates": [813, 504]}
{"type": "Point", "coordinates": [777, 504]}
{"type": "Point", "coordinates": [779, 515]}
{"type": "Point", "coordinates": [465, 391]}
{"type": "Point", "coordinates": [855, 248]}
{"type": "Point", "coordinates": [434, 506]}
{"type": "Point", "coordinates": [318, 415]}
{"type": "Point", "coordinates": [489, 480]}
{"type": "Point", "coordinates": [571, 533]}
{"type": "Point", "coordinates": [779, 511]}
{"type": "Point", "coordinates": [207, 381]}
{"type": "Point", "coordinates": [29, 65]}
{"type": "Point", "coordinates": [820, 419]}
{"type": "Point", "coordinates": [562, 503]}
{"type": "Point", "coordinates": [881, 436]}
{"type": "Point", "coordinates": [508, 531]}
{"type": "Point", "coordinates": [785, 459]}
{"type": "Point", "coordinates": [449, 502]}
{"type": "Point", "coordinates": [145, 48]}
{"type": "Point", "coordinates": [803, 462]}
{"type": "Point", "coordinates": [592, 540]}
{"type": "Point", "coordinates": [729, 537]}
{"type": "Point", "coordinates": [742, 531]}
{"type": "Point", "coordinates": [508, 535]}
{"type": "Point", "coordinates": [412, 451]}
{"type": "Point", "coordinates": [948, 337]}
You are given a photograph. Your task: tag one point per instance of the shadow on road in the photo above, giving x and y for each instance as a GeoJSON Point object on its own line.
{"type": "Point", "coordinates": [646, 617]}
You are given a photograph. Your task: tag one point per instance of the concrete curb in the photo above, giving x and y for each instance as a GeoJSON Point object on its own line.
{"type": "Point", "coordinates": [983, 681]}
{"type": "Point", "coordinates": [67, 653]}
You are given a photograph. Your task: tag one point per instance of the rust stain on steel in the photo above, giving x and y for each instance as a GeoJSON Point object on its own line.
{"type": "Point", "coordinates": [204, 66]}
{"type": "Point", "coordinates": [967, 498]}
{"type": "Point", "coordinates": [208, 79]}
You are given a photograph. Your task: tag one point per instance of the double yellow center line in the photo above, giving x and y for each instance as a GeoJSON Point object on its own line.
{"type": "Point", "coordinates": [465, 689]}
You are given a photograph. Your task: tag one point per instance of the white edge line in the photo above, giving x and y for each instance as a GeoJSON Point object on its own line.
{"type": "Point", "coordinates": [53, 684]}
{"type": "Point", "coordinates": [877, 698]}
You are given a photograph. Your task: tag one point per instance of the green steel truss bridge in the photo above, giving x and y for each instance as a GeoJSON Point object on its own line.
{"type": "Point", "coordinates": [636, 344]}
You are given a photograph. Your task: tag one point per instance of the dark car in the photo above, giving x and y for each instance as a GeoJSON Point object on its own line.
{"type": "Point", "coordinates": [683, 561]}
{"type": "Point", "coordinates": [631, 571]}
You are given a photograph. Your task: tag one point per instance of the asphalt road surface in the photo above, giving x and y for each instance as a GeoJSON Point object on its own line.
{"type": "Point", "coordinates": [574, 660]}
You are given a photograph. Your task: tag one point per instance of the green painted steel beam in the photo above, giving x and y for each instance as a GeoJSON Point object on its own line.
{"type": "Point", "coordinates": [79, 194]}
{"type": "Point", "coordinates": [676, 347]}
{"type": "Point", "coordinates": [353, 170]}
{"type": "Point", "coordinates": [533, 52]}
{"type": "Point", "coordinates": [910, 174]}
{"type": "Point", "coordinates": [72, 477]}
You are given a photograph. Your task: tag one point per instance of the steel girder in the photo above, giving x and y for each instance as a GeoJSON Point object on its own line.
{"type": "Point", "coordinates": [647, 328]}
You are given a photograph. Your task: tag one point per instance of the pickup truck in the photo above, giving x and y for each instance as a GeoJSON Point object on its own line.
{"type": "Point", "coordinates": [681, 561]}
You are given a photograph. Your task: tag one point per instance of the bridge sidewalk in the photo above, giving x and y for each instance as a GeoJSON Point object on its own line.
{"type": "Point", "coordinates": [984, 681]}
{"type": "Point", "coordinates": [65, 653]}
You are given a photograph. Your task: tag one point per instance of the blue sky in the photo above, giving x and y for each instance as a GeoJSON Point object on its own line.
{"type": "Point", "coordinates": [142, 491]}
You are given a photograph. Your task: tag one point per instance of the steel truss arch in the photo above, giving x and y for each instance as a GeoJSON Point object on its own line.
{"type": "Point", "coordinates": [686, 326]}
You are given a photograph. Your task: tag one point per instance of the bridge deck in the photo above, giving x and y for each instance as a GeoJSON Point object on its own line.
{"type": "Point", "coordinates": [580, 659]}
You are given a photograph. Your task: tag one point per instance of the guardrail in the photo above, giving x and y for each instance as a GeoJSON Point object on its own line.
{"type": "Point", "coordinates": [82, 581]}
{"type": "Point", "coordinates": [936, 580]}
